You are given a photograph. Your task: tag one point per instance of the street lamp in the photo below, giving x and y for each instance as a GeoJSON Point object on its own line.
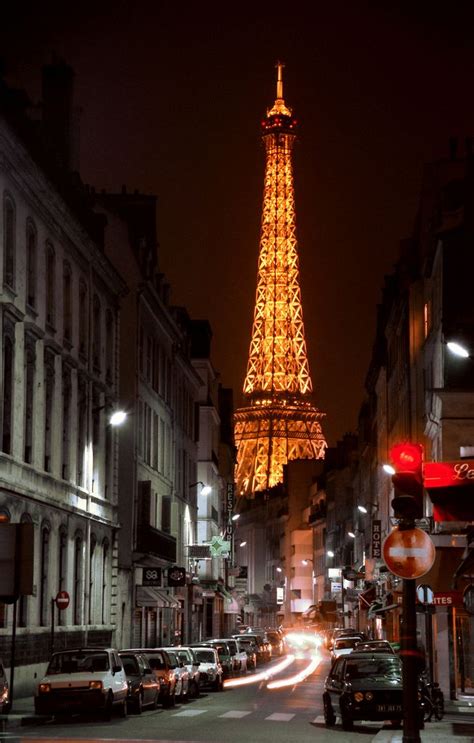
{"type": "Point", "coordinates": [117, 418]}
{"type": "Point", "coordinates": [205, 489]}
{"type": "Point", "coordinates": [236, 517]}
{"type": "Point", "coordinates": [363, 509]}
{"type": "Point", "coordinates": [330, 553]}
{"type": "Point", "coordinates": [306, 561]}
{"type": "Point", "coordinates": [279, 570]}
{"type": "Point", "coordinates": [457, 349]}
{"type": "Point", "coordinates": [243, 543]}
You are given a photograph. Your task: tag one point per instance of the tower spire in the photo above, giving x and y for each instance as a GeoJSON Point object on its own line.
{"type": "Point", "coordinates": [279, 423]}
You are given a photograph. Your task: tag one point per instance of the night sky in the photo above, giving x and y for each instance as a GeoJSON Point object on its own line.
{"type": "Point", "coordinates": [172, 95]}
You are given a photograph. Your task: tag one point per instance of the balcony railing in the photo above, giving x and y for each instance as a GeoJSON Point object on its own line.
{"type": "Point", "coordinates": [155, 542]}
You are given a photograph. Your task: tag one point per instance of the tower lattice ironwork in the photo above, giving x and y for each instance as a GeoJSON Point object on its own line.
{"type": "Point", "coordinates": [280, 423]}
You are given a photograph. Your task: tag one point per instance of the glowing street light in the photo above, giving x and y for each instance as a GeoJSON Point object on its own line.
{"type": "Point", "coordinates": [457, 349]}
{"type": "Point", "coordinates": [117, 418]}
{"type": "Point", "coordinates": [306, 562]}
{"type": "Point", "coordinates": [242, 544]}
{"type": "Point", "coordinates": [236, 516]}
{"type": "Point", "coordinates": [205, 489]}
{"type": "Point", "coordinates": [330, 553]}
{"type": "Point", "coordinates": [351, 534]}
{"type": "Point", "coordinates": [388, 469]}
{"type": "Point", "coordinates": [279, 570]}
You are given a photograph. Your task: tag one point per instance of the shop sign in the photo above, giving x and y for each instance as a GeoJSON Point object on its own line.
{"type": "Point", "coordinates": [199, 552]}
{"type": "Point", "coordinates": [376, 539]}
{"type": "Point", "coordinates": [448, 598]}
{"type": "Point", "coordinates": [176, 576]}
{"type": "Point", "coordinates": [336, 587]}
{"type": "Point", "coordinates": [280, 595]}
{"type": "Point", "coordinates": [151, 577]}
{"type": "Point", "coordinates": [448, 474]}
{"type": "Point", "coordinates": [229, 507]}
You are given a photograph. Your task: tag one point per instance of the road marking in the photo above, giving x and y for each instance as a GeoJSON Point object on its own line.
{"type": "Point", "coordinates": [280, 717]}
{"type": "Point", "coordinates": [236, 713]}
{"type": "Point", "coordinates": [189, 713]}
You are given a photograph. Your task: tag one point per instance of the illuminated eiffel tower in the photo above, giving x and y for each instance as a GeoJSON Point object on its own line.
{"type": "Point", "coordinates": [279, 423]}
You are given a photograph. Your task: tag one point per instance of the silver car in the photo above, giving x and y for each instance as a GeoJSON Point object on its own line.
{"type": "Point", "coordinates": [211, 673]}
{"type": "Point", "coordinates": [181, 673]}
{"type": "Point", "coordinates": [191, 663]}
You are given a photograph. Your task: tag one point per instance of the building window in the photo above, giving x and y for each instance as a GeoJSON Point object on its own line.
{"type": "Point", "coordinates": [109, 346]}
{"type": "Point", "coordinates": [77, 577]}
{"type": "Point", "coordinates": [83, 318]}
{"type": "Point", "coordinates": [23, 600]}
{"type": "Point", "coordinates": [97, 336]}
{"type": "Point", "coordinates": [81, 429]}
{"type": "Point", "coordinates": [427, 318]}
{"type": "Point", "coordinates": [9, 242]}
{"type": "Point", "coordinates": [67, 302]}
{"type": "Point", "coordinates": [92, 568]}
{"type": "Point", "coordinates": [48, 408]}
{"type": "Point", "coordinates": [31, 264]}
{"type": "Point", "coordinates": [29, 399]}
{"type": "Point", "coordinates": [105, 569]}
{"type": "Point", "coordinates": [66, 441]}
{"type": "Point", "coordinates": [166, 514]}
{"type": "Point", "coordinates": [44, 564]}
{"type": "Point", "coordinates": [50, 285]}
{"type": "Point", "coordinates": [62, 567]}
{"type": "Point", "coordinates": [7, 393]}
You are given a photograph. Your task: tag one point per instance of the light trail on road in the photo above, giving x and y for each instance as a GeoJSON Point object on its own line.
{"type": "Point", "coordinates": [262, 676]}
{"type": "Point", "coordinates": [298, 677]}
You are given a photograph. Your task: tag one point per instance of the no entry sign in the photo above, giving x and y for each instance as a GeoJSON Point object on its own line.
{"type": "Point", "coordinates": [408, 553]}
{"type": "Point", "coordinates": [62, 599]}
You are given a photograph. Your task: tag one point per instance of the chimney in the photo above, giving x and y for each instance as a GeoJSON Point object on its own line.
{"type": "Point", "coordinates": [60, 121]}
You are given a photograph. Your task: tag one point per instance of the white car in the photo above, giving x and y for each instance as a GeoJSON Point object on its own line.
{"type": "Point", "coordinates": [181, 673]}
{"type": "Point", "coordinates": [241, 655]}
{"type": "Point", "coordinates": [191, 663]}
{"type": "Point", "coordinates": [83, 680]}
{"type": "Point", "coordinates": [343, 646]}
{"type": "Point", "coordinates": [211, 673]}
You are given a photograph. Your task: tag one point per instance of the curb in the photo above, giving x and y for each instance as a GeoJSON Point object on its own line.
{"type": "Point", "coordinates": [16, 721]}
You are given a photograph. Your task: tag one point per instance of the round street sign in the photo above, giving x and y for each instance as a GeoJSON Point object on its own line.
{"type": "Point", "coordinates": [62, 599]}
{"type": "Point", "coordinates": [408, 553]}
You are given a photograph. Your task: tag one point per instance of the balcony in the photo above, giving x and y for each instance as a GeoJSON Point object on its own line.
{"type": "Point", "coordinates": [155, 542]}
{"type": "Point", "coordinates": [317, 513]}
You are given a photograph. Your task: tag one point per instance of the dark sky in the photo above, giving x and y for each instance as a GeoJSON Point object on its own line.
{"type": "Point", "coordinates": [172, 97]}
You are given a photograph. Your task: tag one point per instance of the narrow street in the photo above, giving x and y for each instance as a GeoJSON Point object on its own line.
{"type": "Point", "coordinates": [247, 713]}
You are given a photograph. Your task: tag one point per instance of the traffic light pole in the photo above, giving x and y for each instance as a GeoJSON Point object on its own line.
{"type": "Point", "coordinates": [411, 733]}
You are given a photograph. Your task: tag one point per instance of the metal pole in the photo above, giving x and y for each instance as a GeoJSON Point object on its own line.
{"type": "Point", "coordinates": [411, 732]}
{"type": "Point", "coordinates": [13, 654]}
{"type": "Point", "coordinates": [343, 599]}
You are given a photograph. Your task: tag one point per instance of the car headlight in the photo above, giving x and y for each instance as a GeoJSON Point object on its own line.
{"type": "Point", "coordinates": [95, 685]}
{"type": "Point", "coordinates": [369, 696]}
{"type": "Point", "coordinates": [358, 696]}
{"type": "Point", "coordinates": [44, 688]}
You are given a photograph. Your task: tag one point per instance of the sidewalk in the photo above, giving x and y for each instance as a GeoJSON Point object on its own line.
{"type": "Point", "coordinates": [434, 732]}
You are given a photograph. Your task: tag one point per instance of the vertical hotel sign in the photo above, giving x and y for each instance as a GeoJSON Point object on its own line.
{"type": "Point", "coordinates": [376, 539]}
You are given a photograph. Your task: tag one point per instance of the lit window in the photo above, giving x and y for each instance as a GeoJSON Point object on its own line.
{"type": "Point", "coordinates": [427, 318]}
{"type": "Point", "coordinates": [466, 451]}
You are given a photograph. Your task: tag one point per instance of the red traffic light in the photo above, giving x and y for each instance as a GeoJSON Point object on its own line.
{"type": "Point", "coordinates": [407, 457]}
{"type": "Point", "coordinates": [407, 460]}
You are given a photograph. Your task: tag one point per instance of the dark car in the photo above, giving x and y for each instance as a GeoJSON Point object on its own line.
{"type": "Point", "coordinates": [163, 668]}
{"type": "Point", "coordinates": [263, 647]}
{"type": "Point", "coordinates": [143, 686]}
{"type": "Point", "coordinates": [276, 642]}
{"type": "Point", "coordinates": [374, 646]}
{"type": "Point", "coordinates": [345, 632]}
{"type": "Point", "coordinates": [365, 686]}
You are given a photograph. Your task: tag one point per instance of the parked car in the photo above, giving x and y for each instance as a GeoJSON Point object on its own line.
{"type": "Point", "coordinates": [245, 645]}
{"type": "Point", "coordinates": [83, 680]}
{"type": "Point", "coordinates": [163, 668]}
{"type": "Point", "coordinates": [188, 657]}
{"type": "Point", "coordinates": [343, 646]}
{"type": "Point", "coordinates": [181, 673]}
{"type": "Point", "coordinates": [264, 649]}
{"type": "Point", "coordinates": [223, 651]}
{"type": "Point", "coordinates": [276, 642]}
{"type": "Point", "coordinates": [374, 646]}
{"type": "Point", "coordinates": [210, 669]}
{"type": "Point", "coordinates": [365, 686]}
{"type": "Point", "coordinates": [5, 702]}
{"type": "Point", "coordinates": [344, 632]}
{"type": "Point", "coordinates": [239, 658]}
{"type": "Point", "coordinates": [143, 687]}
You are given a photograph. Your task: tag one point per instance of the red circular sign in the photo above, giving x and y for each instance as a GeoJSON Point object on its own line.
{"type": "Point", "coordinates": [408, 553]}
{"type": "Point", "coordinates": [62, 600]}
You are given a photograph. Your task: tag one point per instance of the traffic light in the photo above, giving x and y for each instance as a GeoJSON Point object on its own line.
{"type": "Point", "coordinates": [407, 461]}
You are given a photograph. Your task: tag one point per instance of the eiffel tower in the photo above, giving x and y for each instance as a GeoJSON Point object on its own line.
{"type": "Point", "coordinates": [279, 422]}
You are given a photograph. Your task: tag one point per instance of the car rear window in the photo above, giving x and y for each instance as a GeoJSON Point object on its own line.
{"type": "Point", "coordinates": [130, 664]}
{"type": "Point", "coordinates": [345, 643]}
{"type": "Point", "coordinates": [205, 656]}
{"type": "Point", "coordinates": [382, 667]}
{"type": "Point", "coordinates": [156, 661]}
{"type": "Point", "coordinates": [78, 662]}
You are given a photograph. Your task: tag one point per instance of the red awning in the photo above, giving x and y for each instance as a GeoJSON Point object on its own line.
{"type": "Point", "coordinates": [366, 598]}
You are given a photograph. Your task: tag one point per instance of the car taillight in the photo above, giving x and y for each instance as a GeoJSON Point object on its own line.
{"type": "Point", "coordinates": [95, 685]}
{"type": "Point", "coordinates": [358, 696]}
{"type": "Point", "coordinates": [44, 688]}
{"type": "Point", "coordinates": [369, 696]}
{"type": "Point", "coordinates": [170, 676]}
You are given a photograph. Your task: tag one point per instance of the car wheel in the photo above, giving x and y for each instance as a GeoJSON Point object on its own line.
{"type": "Point", "coordinates": [108, 707]}
{"type": "Point", "coordinates": [347, 722]}
{"type": "Point", "coordinates": [194, 690]}
{"type": "Point", "coordinates": [123, 711]}
{"type": "Point", "coordinates": [329, 716]}
{"type": "Point", "coordinates": [138, 707]}
{"type": "Point", "coordinates": [156, 700]}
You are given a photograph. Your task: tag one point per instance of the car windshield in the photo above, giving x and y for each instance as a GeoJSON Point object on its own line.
{"type": "Point", "coordinates": [350, 642]}
{"type": "Point", "coordinates": [183, 655]}
{"type": "Point", "coordinates": [386, 667]}
{"type": "Point", "coordinates": [81, 661]}
{"type": "Point", "coordinates": [205, 656]}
